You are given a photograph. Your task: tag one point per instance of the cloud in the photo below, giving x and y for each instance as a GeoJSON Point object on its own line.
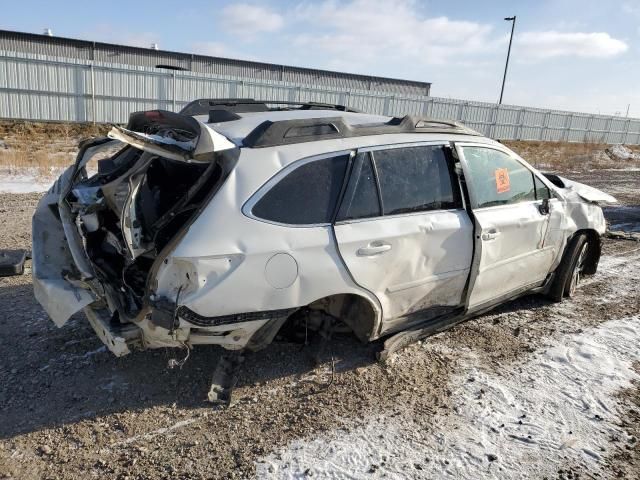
{"type": "Point", "coordinates": [110, 34]}
{"type": "Point", "coordinates": [632, 8]}
{"type": "Point", "coordinates": [367, 31]}
{"type": "Point", "coordinates": [543, 45]}
{"type": "Point", "coordinates": [214, 49]}
{"type": "Point", "coordinates": [247, 19]}
{"type": "Point", "coordinates": [219, 49]}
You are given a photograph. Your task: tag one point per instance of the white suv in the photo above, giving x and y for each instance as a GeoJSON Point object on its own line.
{"type": "Point", "coordinates": [216, 225]}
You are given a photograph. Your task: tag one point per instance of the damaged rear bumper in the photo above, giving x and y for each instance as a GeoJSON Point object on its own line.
{"type": "Point", "coordinates": [53, 264]}
{"type": "Point", "coordinates": [119, 338]}
{"type": "Point", "coordinates": [99, 240]}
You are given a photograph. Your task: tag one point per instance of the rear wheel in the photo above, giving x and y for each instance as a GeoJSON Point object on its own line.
{"type": "Point", "coordinates": [571, 268]}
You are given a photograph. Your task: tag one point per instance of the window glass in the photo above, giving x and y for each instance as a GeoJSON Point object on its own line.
{"type": "Point", "coordinates": [361, 197]}
{"type": "Point", "coordinates": [307, 195]}
{"type": "Point", "coordinates": [542, 191]}
{"type": "Point", "coordinates": [415, 179]}
{"type": "Point", "coordinates": [497, 178]}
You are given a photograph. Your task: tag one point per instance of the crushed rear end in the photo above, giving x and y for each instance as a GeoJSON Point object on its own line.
{"type": "Point", "coordinates": [99, 239]}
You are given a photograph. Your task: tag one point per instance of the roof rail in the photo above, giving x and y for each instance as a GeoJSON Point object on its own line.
{"type": "Point", "coordinates": [285, 132]}
{"type": "Point", "coordinates": [242, 105]}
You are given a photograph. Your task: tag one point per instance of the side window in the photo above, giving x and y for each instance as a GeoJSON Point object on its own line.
{"type": "Point", "coordinates": [361, 198]}
{"type": "Point", "coordinates": [542, 191]}
{"type": "Point", "coordinates": [415, 179]}
{"type": "Point", "coordinates": [307, 195]}
{"type": "Point", "coordinates": [497, 178]}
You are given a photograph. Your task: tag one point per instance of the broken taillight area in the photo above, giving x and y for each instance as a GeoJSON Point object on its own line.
{"type": "Point", "coordinates": [130, 210]}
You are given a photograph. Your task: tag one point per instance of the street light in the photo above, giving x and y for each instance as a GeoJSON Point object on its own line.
{"type": "Point", "coordinates": [504, 78]}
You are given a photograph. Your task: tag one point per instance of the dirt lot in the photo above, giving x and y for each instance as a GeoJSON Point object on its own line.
{"type": "Point", "coordinates": [70, 409]}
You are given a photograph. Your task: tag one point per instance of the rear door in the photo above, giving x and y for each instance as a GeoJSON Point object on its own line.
{"type": "Point", "coordinates": [402, 230]}
{"type": "Point", "coordinates": [511, 253]}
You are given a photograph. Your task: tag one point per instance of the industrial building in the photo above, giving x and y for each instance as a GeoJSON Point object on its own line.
{"type": "Point", "coordinates": [83, 50]}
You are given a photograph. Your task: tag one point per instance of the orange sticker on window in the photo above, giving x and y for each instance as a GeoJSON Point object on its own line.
{"type": "Point", "coordinates": [502, 180]}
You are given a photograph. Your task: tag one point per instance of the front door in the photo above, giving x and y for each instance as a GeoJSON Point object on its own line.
{"type": "Point", "coordinates": [511, 225]}
{"type": "Point", "coordinates": [402, 231]}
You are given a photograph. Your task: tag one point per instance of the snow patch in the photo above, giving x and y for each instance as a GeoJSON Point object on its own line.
{"type": "Point", "coordinates": [620, 152]}
{"type": "Point", "coordinates": [23, 184]}
{"type": "Point", "coordinates": [554, 409]}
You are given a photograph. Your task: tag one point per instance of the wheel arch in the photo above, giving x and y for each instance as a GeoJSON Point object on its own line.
{"type": "Point", "coordinates": [594, 251]}
{"type": "Point", "coordinates": [357, 311]}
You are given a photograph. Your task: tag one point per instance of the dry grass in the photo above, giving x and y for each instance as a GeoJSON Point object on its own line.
{"type": "Point", "coordinates": [568, 156]}
{"type": "Point", "coordinates": [46, 148]}
{"type": "Point", "coordinates": [28, 131]}
{"type": "Point", "coordinates": [42, 148]}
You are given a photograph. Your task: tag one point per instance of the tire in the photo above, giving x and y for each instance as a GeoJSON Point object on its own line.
{"type": "Point", "coordinates": [569, 271]}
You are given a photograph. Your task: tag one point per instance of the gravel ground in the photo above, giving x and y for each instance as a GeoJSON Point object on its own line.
{"type": "Point", "coordinates": [69, 408]}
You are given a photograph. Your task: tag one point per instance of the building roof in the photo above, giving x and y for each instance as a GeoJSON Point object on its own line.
{"type": "Point", "coordinates": [209, 65]}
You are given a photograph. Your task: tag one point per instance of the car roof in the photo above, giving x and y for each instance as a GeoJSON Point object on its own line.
{"type": "Point", "coordinates": [237, 130]}
{"type": "Point", "coordinates": [269, 123]}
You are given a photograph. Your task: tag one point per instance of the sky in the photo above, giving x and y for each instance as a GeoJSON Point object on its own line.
{"type": "Point", "coordinates": [581, 55]}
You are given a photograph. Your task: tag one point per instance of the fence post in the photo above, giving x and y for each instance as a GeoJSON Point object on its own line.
{"type": "Point", "coordinates": [607, 130]}
{"type": "Point", "coordinates": [587, 133]}
{"type": "Point", "coordinates": [626, 132]}
{"type": "Point", "coordinates": [518, 130]}
{"type": "Point", "coordinates": [494, 124]}
{"type": "Point", "coordinates": [460, 114]}
{"type": "Point", "coordinates": [387, 105]}
{"type": "Point", "coordinates": [344, 98]}
{"type": "Point", "coordinates": [545, 125]}
{"type": "Point", "coordinates": [174, 91]}
{"type": "Point", "coordinates": [427, 108]}
{"type": "Point", "coordinates": [568, 121]}
{"type": "Point", "coordinates": [93, 94]}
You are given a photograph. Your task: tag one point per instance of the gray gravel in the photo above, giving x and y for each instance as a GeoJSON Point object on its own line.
{"type": "Point", "coordinates": [68, 408]}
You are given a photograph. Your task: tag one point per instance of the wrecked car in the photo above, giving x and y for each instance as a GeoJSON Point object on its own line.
{"type": "Point", "coordinates": [218, 224]}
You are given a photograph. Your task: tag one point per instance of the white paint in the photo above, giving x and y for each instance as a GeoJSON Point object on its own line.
{"type": "Point", "coordinates": [207, 142]}
{"type": "Point", "coordinates": [588, 193]}
{"type": "Point", "coordinates": [565, 390]}
{"type": "Point", "coordinates": [411, 262]}
{"type": "Point", "coordinates": [281, 270]}
{"type": "Point", "coordinates": [400, 264]}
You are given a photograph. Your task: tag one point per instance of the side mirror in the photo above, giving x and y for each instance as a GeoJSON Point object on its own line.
{"type": "Point", "coordinates": [544, 208]}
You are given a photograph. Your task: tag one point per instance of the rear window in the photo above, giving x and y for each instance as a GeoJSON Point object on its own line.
{"type": "Point", "coordinates": [415, 179]}
{"type": "Point", "coordinates": [361, 198]}
{"type": "Point", "coordinates": [307, 195]}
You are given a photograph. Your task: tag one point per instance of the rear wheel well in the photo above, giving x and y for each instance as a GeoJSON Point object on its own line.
{"type": "Point", "coordinates": [355, 311]}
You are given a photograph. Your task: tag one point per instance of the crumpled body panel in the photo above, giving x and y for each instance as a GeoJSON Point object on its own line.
{"type": "Point", "coordinates": [51, 259]}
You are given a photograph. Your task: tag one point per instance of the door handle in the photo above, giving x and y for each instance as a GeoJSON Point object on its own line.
{"type": "Point", "coordinates": [373, 249]}
{"type": "Point", "coordinates": [490, 234]}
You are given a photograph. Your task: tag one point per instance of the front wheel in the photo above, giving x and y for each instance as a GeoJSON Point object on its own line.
{"type": "Point", "coordinates": [571, 268]}
{"type": "Point", "coordinates": [577, 272]}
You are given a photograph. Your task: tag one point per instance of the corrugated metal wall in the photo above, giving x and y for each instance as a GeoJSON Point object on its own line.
{"type": "Point", "coordinates": [43, 88]}
{"type": "Point", "coordinates": [72, 49]}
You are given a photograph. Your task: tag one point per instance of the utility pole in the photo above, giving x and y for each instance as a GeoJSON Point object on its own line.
{"type": "Point", "coordinates": [504, 78]}
{"type": "Point", "coordinates": [628, 105]}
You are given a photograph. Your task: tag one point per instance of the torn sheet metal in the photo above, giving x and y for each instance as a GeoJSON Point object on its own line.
{"type": "Point", "coordinates": [588, 193]}
{"type": "Point", "coordinates": [52, 264]}
{"type": "Point", "coordinates": [205, 142]}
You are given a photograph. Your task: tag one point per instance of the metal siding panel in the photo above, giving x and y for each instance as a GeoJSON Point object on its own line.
{"type": "Point", "coordinates": [61, 90]}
